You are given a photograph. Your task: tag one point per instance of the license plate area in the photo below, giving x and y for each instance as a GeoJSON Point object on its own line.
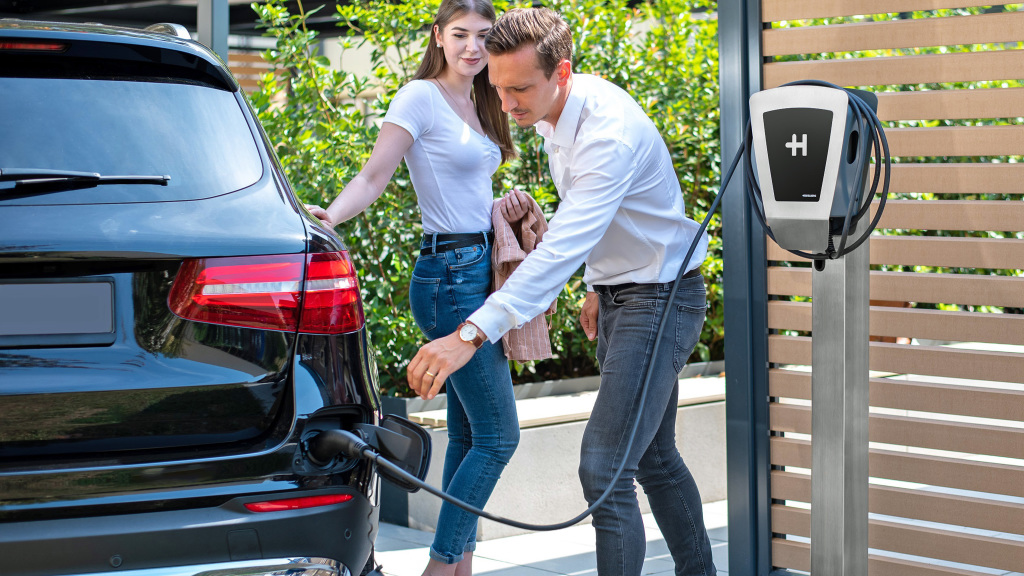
{"type": "Point", "coordinates": [38, 313]}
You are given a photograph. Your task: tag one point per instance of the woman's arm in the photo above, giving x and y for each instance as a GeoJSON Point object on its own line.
{"type": "Point", "coordinates": [392, 143]}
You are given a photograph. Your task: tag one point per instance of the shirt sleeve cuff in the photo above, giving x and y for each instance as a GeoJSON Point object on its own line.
{"type": "Point", "coordinates": [493, 320]}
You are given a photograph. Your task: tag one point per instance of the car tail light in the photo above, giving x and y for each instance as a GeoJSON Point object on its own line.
{"type": "Point", "coordinates": [34, 46]}
{"type": "Point", "coordinates": [317, 293]}
{"type": "Point", "coordinates": [298, 503]}
{"type": "Point", "coordinates": [331, 303]}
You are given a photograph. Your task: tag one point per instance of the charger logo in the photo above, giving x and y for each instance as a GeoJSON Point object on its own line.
{"type": "Point", "coordinates": [802, 145]}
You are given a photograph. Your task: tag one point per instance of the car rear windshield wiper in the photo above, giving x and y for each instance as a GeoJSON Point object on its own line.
{"type": "Point", "coordinates": [52, 180]}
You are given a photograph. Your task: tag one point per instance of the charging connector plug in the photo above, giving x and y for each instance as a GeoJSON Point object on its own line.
{"type": "Point", "coordinates": [324, 445]}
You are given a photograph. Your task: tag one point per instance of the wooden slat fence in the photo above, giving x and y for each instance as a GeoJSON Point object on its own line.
{"type": "Point", "coordinates": [947, 287]}
{"type": "Point", "coordinates": [248, 66]}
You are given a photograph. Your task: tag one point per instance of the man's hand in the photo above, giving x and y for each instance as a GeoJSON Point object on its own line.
{"type": "Point", "coordinates": [514, 206]}
{"type": "Point", "coordinates": [435, 362]}
{"type": "Point", "coordinates": [588, 315]}
{"type": "Point", "coordinates": [321, 214]}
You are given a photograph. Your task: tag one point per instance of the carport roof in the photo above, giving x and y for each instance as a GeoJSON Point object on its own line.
{"type": "Point", "coordinates": [139, 14]}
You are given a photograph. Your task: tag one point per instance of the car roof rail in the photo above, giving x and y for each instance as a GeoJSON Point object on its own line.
{"type": "Point", "coordinates": [169, 28]}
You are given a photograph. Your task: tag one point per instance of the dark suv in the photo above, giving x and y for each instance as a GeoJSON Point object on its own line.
{"type": "Point", "coordinates": [174, 326]}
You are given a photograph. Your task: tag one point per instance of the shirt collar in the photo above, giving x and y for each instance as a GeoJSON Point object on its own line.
{"type": "Point", "coordinates": [563, 134]}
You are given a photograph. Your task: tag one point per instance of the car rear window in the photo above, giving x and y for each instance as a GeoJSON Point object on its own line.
{"type": "Point", "coordinates": [196, 134]}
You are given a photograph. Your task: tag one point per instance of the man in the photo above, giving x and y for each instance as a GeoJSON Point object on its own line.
{"type": "Point", "coordinates": [621, 212]}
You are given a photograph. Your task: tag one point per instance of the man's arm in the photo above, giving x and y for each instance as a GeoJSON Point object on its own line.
{"type": "Point", "coordinates": [603, 172]}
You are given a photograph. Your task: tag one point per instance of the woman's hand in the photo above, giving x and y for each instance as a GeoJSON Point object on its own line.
{"type": "Point", "coordinates": [321, 214]}
{"type": "Point", "coordinates": [514, 206]}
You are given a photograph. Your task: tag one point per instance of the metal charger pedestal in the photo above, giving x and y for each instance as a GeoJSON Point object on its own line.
{"type": "Point", "coordinates": [839, 389]}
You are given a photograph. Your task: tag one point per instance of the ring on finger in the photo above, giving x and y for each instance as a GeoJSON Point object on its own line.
{"type": "Point", "coordinates": [431, 374]}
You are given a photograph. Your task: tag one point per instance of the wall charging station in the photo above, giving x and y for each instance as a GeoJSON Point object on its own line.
{"type": "Point", "coordinates": [812, 143]}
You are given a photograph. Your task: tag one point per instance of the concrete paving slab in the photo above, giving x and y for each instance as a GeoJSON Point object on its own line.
{"type": "Point", "coordinates": [386, 544]}
{"type": "Point", "coordinates": [569, 552]}
{"type": "Point", "coordinates": [720, 554]}
{"type": "Point", "coordinates": [720, 534]}
{"type": "Point", "coordinates": [542, 551]}
{"type": "Point", "coordinates": [658, 566]}
{"type": "Point", "coordinates": [402, 533]}
{"type": "Point", "coordinates": [483, 565]}
{"type": "Point", "coordinates": [717, 510]}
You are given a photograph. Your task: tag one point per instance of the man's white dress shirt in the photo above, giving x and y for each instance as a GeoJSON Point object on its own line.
{"type": "Point", "coordinates": [621, 209]}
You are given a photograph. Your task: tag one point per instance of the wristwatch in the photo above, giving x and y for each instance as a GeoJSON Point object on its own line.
{"type": "Point", "coordinates": [468, 332]}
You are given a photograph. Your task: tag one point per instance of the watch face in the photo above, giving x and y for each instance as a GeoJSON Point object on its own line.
{"type": "Point", "coordinates": [468, 332]}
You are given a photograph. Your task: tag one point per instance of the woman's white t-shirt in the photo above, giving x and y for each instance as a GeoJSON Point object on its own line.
{"type": "Point", "coordinates": [450, 163]}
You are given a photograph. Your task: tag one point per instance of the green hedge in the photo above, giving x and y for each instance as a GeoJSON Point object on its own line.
{"type": "Point", "coordinates": [663, 52]}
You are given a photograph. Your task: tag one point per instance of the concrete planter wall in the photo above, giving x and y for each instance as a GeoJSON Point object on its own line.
{"type": "Point", "coordinates": [406, 406]}
{"type": "Point", "coordinates": [540, 485]}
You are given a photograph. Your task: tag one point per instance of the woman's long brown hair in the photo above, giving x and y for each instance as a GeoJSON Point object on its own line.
{"type": "Point", "coordinates": [488, 105]}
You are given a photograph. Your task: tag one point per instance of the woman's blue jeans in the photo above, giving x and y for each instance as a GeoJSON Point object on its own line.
{"type": "Point", "coordinates": [483, 429]}
{"type": "Point", "coordinates": [628, 319]}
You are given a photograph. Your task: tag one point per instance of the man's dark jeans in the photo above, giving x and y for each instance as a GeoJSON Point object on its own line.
{"type": "Point", "coordinates": [627, 326]}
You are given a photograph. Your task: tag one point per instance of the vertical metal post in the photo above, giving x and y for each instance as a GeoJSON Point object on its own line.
{"type": "Point", "coordinates": [213, 21]}
{"type": "Point", "coordinates": [744, 280]}
{"type": "Point", "coordinates": [839, 393]}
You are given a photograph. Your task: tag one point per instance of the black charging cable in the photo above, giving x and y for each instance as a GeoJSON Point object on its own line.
{"type": "Point", "coordinates": [325, 445]}
{"type": "Point", "coordinates": [868, 124]}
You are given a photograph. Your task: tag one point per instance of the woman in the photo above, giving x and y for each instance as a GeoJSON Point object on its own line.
{"type": "Point", "coordinates": [448, 124]}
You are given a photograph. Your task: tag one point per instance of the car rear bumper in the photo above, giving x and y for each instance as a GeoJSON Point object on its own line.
{"type": "Point", "coordinates": [226, 540]}
{"type": "Point", "coordinates": [270, 567]}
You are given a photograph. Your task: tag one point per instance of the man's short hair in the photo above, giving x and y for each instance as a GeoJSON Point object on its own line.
{"type": "Point", "coordinates": [542, 28]}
